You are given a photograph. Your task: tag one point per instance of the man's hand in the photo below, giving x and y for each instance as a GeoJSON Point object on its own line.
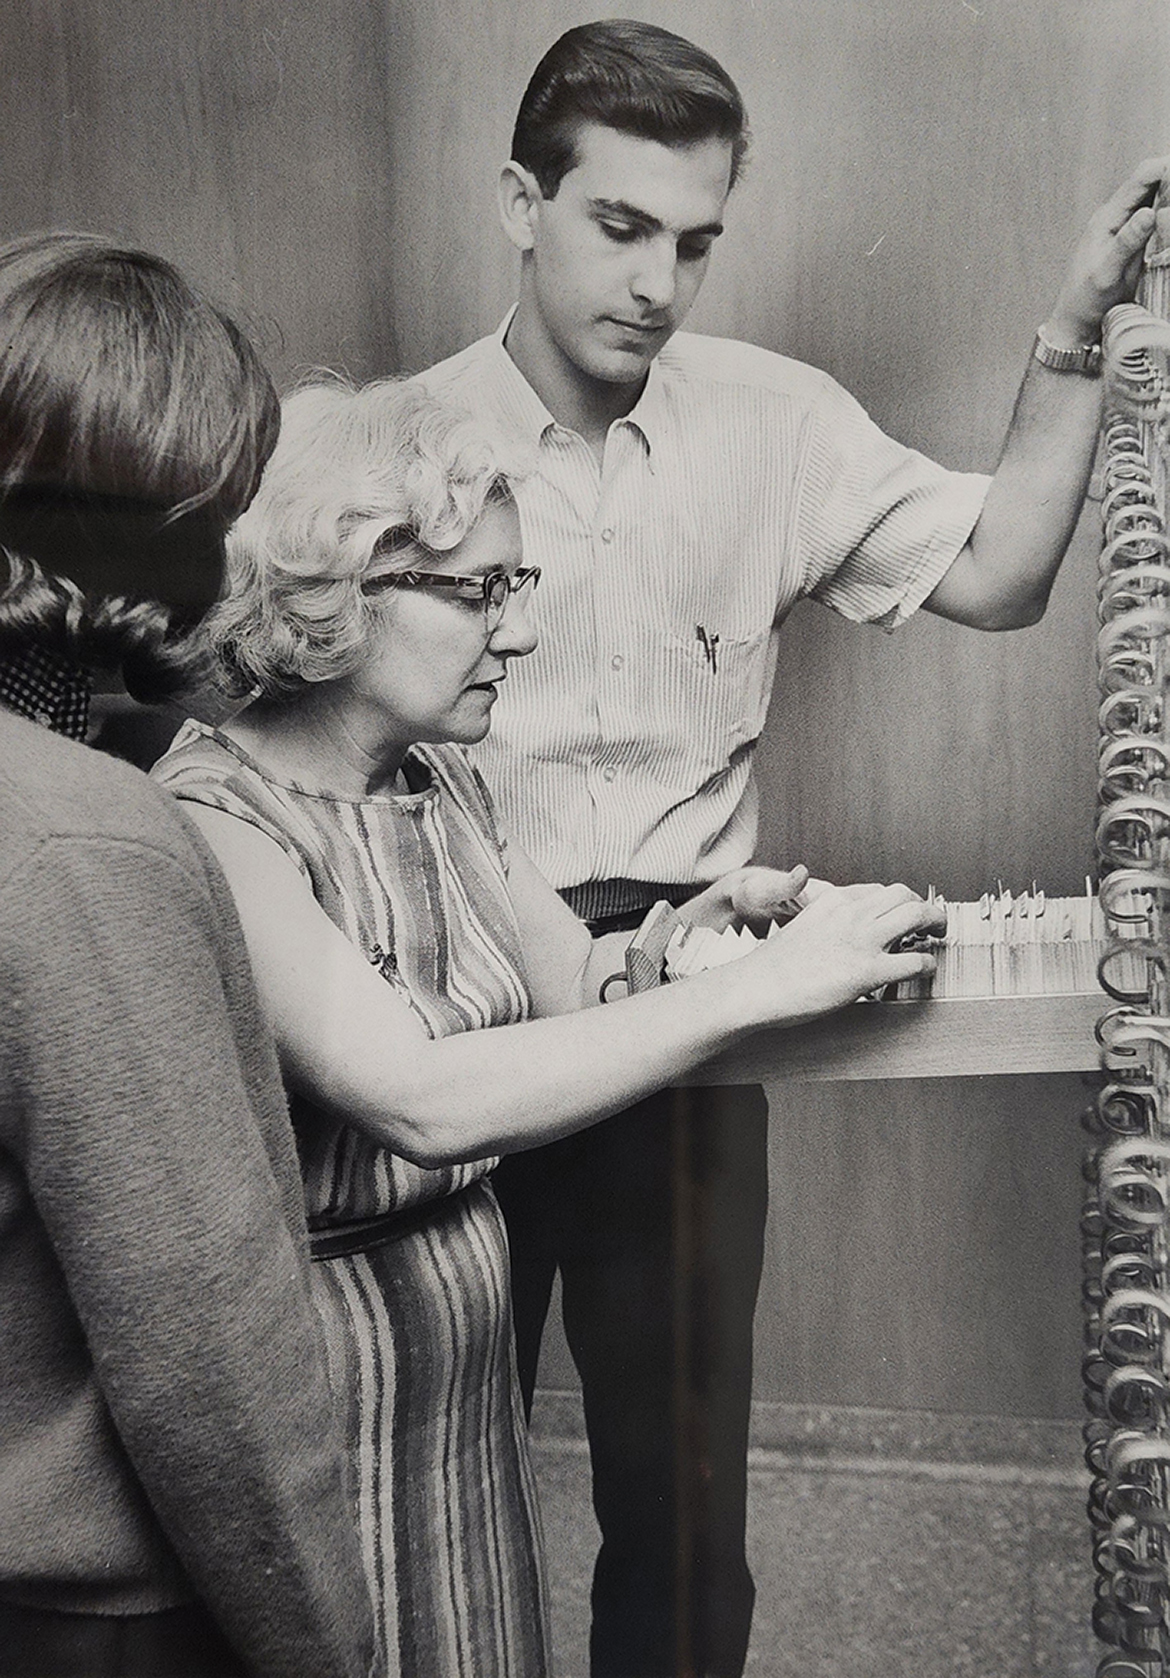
{"type": "Point", "coordinates": [752, 897]}
{"type": "Point", "coordinates": [1106, 264]}
{"type": "Point", "coordinates": [1002, 578]}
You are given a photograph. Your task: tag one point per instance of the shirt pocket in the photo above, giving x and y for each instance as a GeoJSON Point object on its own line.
{"type": "Point", "coordinates": [717, 690]}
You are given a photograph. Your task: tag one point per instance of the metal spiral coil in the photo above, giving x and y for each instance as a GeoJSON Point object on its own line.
{"type": "Point", "coordinates": [1126, 1218]}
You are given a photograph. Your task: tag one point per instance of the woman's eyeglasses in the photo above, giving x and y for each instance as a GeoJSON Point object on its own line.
{"type": "Point", "coordinates": [491, 591]}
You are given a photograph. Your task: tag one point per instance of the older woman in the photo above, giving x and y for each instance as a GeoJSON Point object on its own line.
{"type": "Point", "coordinates": [172, 1483]}
{"type": "Point", "coordinates": [427, 987]}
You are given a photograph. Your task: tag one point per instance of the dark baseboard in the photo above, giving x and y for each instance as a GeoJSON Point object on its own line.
{"type": "Point", "coordinates": [843, 1437]}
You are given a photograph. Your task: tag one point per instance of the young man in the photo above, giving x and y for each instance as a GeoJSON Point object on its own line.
{"type": "Point", "coordinates": [686, 492]}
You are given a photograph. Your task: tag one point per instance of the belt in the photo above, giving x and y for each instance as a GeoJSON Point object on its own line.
{"type": "Point", "coordinates": [629, 922]}
{"type": "Point", "coordinates": [621, 905]}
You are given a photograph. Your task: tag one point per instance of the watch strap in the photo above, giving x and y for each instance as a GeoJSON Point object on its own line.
{"type": "Point", "coordinates": [1085, 358]}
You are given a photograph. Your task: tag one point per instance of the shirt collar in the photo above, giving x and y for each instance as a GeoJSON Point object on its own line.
{"type": "Point", "coordinates": [517, 403]}
{"type": "Point", "coordinates": [522, 409]}
{"type": "Point", "coordinates": [648, 414]}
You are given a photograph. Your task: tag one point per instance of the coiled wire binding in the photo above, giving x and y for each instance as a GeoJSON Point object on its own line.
{"type": "Point", "coordinates": [1126, 1218]}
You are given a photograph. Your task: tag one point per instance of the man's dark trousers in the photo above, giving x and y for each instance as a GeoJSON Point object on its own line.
{"type": "Point", "coordinates": [655, 1219]}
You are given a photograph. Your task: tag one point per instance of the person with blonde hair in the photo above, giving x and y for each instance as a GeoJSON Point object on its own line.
{"type": "Point", "coordinates": [430, 993]}
{"type": "Point", "coordinates": [173, 1494]}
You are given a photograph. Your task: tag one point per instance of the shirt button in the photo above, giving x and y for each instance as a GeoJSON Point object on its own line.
{"type": "Point", "coordinates": [616, 661]}
{"type": "Point", "coordinates": [609, 773]}
{"type": "Point", "coordinates": [607, 535]}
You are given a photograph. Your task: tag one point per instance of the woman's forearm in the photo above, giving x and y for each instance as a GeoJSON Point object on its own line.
{"type": "Point", "coordinates": [515, 1086]}
{"type": "Point", "coordinates": [511, 1087]}
{"type": "Point", "coordinates": [353, 1045]}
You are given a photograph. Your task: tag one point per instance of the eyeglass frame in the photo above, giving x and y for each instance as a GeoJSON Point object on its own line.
{"type": "Point", "coordinates": [513, 582]}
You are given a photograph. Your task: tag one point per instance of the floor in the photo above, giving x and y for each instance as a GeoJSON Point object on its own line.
{"type": "Point", "coordinates": [883, 1544]}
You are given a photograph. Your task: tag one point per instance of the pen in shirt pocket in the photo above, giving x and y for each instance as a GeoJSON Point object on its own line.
{"type": "Point", "coordinates": [709, 644]}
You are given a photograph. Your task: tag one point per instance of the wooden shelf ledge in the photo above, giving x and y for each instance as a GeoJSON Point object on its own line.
{"type": "Point", "coordinates": [939, 1037]}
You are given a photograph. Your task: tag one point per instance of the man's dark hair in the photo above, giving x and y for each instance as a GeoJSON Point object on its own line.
{"type": "Point", "coordinates": [634, 77]}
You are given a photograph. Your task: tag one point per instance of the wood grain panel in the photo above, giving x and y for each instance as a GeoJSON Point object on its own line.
{"type": "Point", "coordinates": [938, 1037]}
{"type": "Point", "coordinates": [923, 1248]}
{"type": "Point", "coordinates": [247, 143]}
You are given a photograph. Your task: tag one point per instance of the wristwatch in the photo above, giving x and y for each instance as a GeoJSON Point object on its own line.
{"type": "Point", "coordinates": [1086, 358]}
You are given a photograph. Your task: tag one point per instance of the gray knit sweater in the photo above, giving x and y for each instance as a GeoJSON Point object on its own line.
{"type": "Point", "coordinates": [166, 1428]}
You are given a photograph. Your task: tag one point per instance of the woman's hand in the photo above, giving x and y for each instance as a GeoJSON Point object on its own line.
{"type": "Point", "coordinates": [842, 946]}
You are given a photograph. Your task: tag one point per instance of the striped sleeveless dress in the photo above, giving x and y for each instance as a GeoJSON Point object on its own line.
{"type": "Point", "coordinates": [419, 1328]}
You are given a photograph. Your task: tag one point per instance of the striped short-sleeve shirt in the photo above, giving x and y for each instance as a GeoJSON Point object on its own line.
{"type": "Point", "coordinates": [621, 749]}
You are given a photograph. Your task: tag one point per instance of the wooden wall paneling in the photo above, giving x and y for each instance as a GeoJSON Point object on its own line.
{"type": "Point", "coordinates": [923, 1247]}
{"type": "Point", "coordinates": [453, 72]}
{"type": "Point", "coordinates": [245, 142]}
{"type": "Point", "coordinates": [1005, 137]}
{"type": "Point", "coordinates": [942, 758]}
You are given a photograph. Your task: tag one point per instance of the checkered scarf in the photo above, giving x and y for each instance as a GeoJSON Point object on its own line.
{"type": "Point", "coordinates": [48, 688]}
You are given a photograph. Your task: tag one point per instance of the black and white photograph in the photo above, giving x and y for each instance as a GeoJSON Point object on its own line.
{"type": "Point", "coordinates": [585, 839]}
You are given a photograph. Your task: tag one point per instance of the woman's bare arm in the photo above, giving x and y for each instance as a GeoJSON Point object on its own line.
{"type": "Point", "coordinates": [351, 1044]}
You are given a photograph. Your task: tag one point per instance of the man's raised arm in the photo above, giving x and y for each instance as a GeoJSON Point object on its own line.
{"type": "Point", "coordinates": [1002, 578]}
